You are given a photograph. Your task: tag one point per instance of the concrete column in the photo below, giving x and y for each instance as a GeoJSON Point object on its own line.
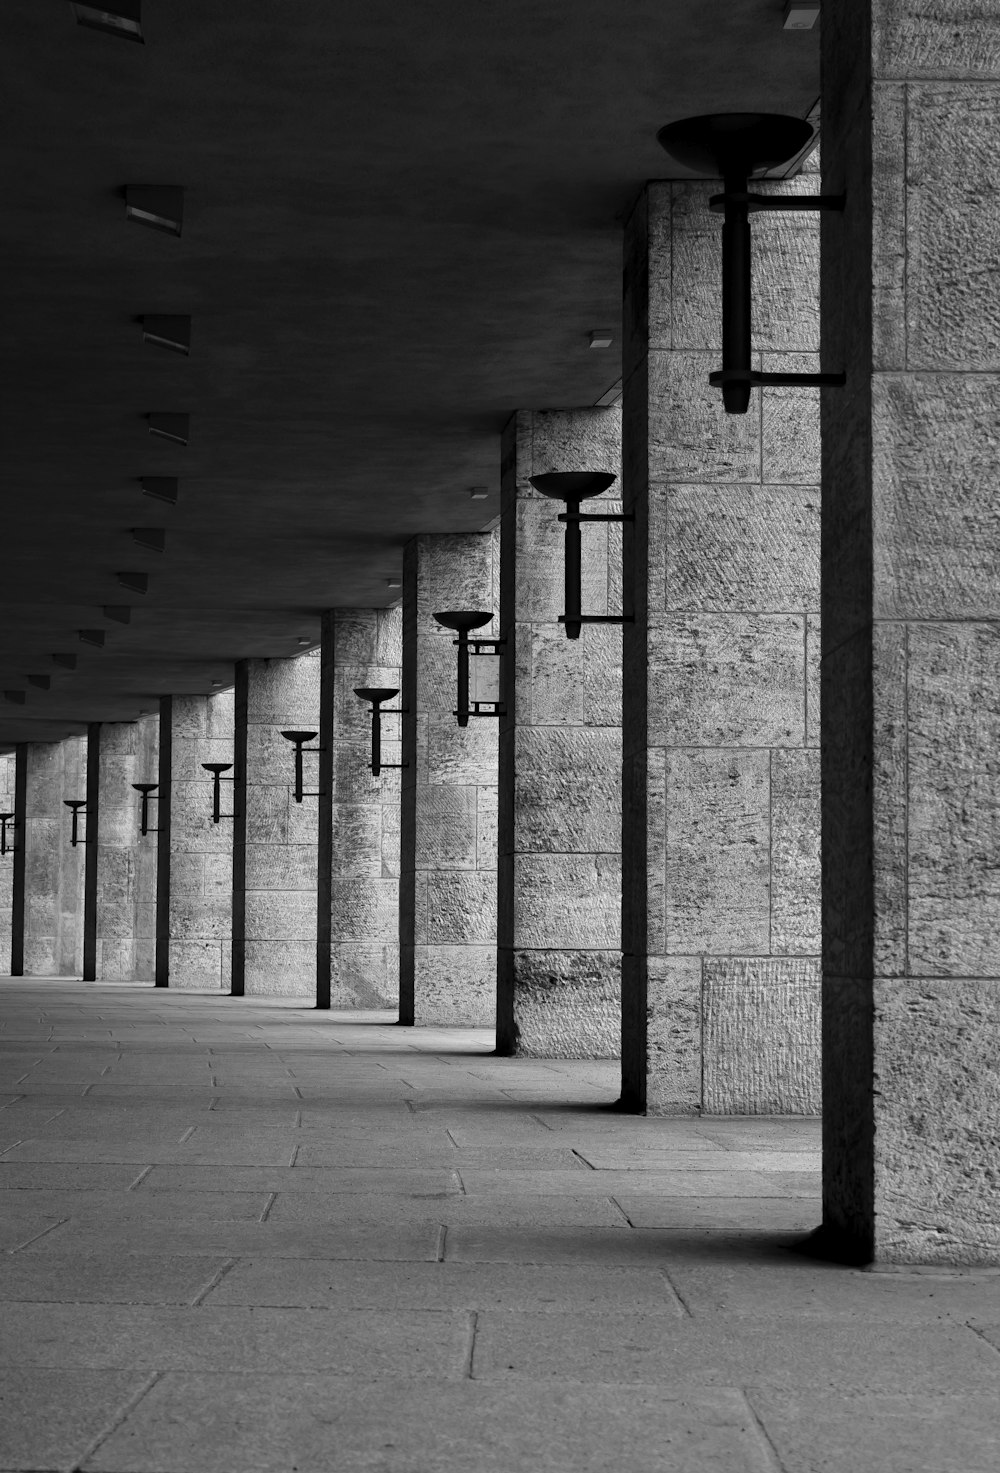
{"type": "Point", "coordinates": [126, 862]}
{"type": "Point", "coordinates": [8, 785]}
{"type": "Point", "coordinates": [53, 873]}
{"type": "Point", "coordinates": [559, 912]}
{"type": "Point", "coordinates": [358, 891]}
{"type": "Point", "coordinates": [447, 902]}
{"type": "Point", "coordinates": [720, 717]}
{"type": "Point", "coordinates": [195, 884]}
{"type": "Point", "coordinates": [276, 950]}
{"type": "Point", "coordinates": [911, 652]}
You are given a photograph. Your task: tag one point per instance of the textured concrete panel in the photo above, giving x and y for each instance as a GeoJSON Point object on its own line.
{"type": "Point", "coordinates": [567, 1004]}
{"type": "Point", "coordinates": [762, 1036]}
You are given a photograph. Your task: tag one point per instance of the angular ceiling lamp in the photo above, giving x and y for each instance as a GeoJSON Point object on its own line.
{"type": "Point", "coordinates": [120, 18]}
{"type": "Point", "coordinates": [5, 819]}
{"type": "Point", "coordinates": [76, 807]}
{"type": "Point", "coordinates": [463, 621]}
{"type": "Point", "coordinates": [91, 636]}
{"type": "Point", "coordinates": [120, 613]}
{"type": "Point", "coordinates": [171, 332]}
{"type": "Point", "coordinates": [153, 539]}
{"type": "Point", "coordinates": [137, 582]}
{"type": "Point", "coordinates": [217, 769]}
{"type": "Point", "coordinates": [160, 206]}
{"type": "Point", "coordinates": [298, 740]}
{"type": "Point", "coordinates": [43, 682]}
{"type": "Point", "coordinates": [68, 662]}
{"type": "Point", "coordinates": [161, 488]}
{"type": "Point", "coordinates": [376, 694]}
{"type": "Point", "coordinates": [176, 427]}
{"type": "Point", "coordinates": [574, 487]}
{"type": "Point", "coordinates": [735, 146]}
{"type": "Point", "coordinates": [145, 790]}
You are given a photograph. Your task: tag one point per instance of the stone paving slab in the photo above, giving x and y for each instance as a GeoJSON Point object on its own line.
{"type": "Point", "coordinates": [51, 1419]}
{"type": "Point", "coordinates": [102, 1207]}
{"type": "Point", "coordinates": [107, 1276]}
{"type": "Point", "coordinates": [732, 1184]}
{"type": "Point", "coordinates": [799, 1213]}
{"type": "Point", "coordinates": [151, 1242]}
{"type": "Point", "coordinates": [25, 1175]}
{"type": "Point", "coordinates": [532, 1210]}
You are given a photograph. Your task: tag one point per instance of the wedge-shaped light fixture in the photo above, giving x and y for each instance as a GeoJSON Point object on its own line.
{"type": "Point", "coordinates": [154, 539]}
{"type": "Point", "coordinates": [168, 332]}
{"type": "Point", "coordinates": [68, 662]}
{"type": "Point", "coordinates": [137, 582]}
{"type": "Point", "coordinates": [120, 613]}
{"type": "Point", "coordinates": [161, 488]}
{"type": "Point", "coordinates": [120, 18]}
{"type": "Point", "coordinates": [160, 206]}
{"type": "Point", "coordinates": [43, 682]}
{"type": "Point", "coordinates": [176, 427]}
{"type": "Point", "coordinates": [92, 636]}
{"type": "Point", "coordinates": [16, 697]}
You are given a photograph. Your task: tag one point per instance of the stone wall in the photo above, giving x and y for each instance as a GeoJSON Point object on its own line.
{"type": "Point", "coordinates": [448, 877]}
{"type": "Point", "coordinates": [126, 862]}
{"type": "Point", "coordinates": [559, 917]}
{"type": "Point", "coordinates": [8, 768]}
{"type": "Point", "coordinates": [53, 879]}
{"type": "Point", "coordinates": [721, 714]}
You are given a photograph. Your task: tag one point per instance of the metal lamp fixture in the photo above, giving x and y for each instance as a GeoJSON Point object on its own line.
{"type": "Point", "coordinates": [735, 146]}
{"type": "Point", "coordinates": [145, 790]}
{"type": "Point", "coordinates": [119, 17]}
{"type": "Point", "coordinates": [160, 206]}
{"type": "Point", "coordinates": [76, 806]}
{"type": "Point", "coordinates": [376, 695]}
{"type": "Point", "coordinates": [217, 769]}
{"type": "Point", "coordinates": [5, 819]}
{"type": "Point", "coordinates": [574, 487]}
{"type": "Point", "coordinates": [463, 621]}
{"type": "Point", "coordinates": [298, 740]}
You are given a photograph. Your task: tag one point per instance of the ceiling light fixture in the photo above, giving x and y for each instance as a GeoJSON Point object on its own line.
{"type": "Point", "coordinates": [92, 636]}
{"type": "Point", "coordinates": [801, 15]}
{"type": "Point", "coordinates": [137, 582]}
{"type": "Point", "coordinates": [162, 488]}
{"type": "Point", "coordinates": [122, 18]}
{"type": "Point", "coordinates": [736, 145]}
{"type": "Point", "coordinates": [394, 583]}
{"type": "Point", "coordinates": [154, 539]}
{"type": "Point", "coordinates": [43, 682]}
{"type": "Point", "coordinates": [303, 641]}
{"type": "Point", "coordinates": [376, 695]}
{"type": "Point", "coordinates": [573, 487]}
{"type": "Point", "coordinates": [463, 621]}
{"type": "Point", "coordinates": [168, 332]}
{"type": "Point", "coordinates": [478, 493]}
{"type": "Point", "coordinates": [161, 206]}
{"type": "Point", "coordinates": [120, 613]}
{"type": "Point", "coordinates": [176, 427]}
{"type": "Point", "coordinates": [68, 662]}
{"type": "Point", "coordinates": [601, 337]}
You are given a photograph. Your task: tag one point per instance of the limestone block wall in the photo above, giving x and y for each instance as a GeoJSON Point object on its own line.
{"type": "Point", "coordinates": [559, 917]}
{"type": "Point", "coordinates": [53, 877]}
{"type": "Point", "coordinates": [448, 876]}
{"type": "Point", "coordinates": [8, 771]}
{"type": "Point", "coordinates": [196, 884]}
{"type": "Point", "coordinates": [126, 862]}
{"type": "Point", "coordinates": [721, 714]}
{"type": "Point", "coordinates": [359, 835]}
{"type": "Point", "coordinates": [911, 636]}
{"type": "Point", "coordinates": [278, 852]}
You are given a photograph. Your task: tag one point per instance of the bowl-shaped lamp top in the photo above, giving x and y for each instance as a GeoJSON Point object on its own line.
{"type": "Point", "coordinates": [376, 693]}
{"type": "Point", "coordinates": [464, 619]}
{"type": "Point", "coordinates": [139, 787]}
{"type": "Point", "coordinates": [573, 485]}
{"type": "Point", "coordinates": [217, 767]}
{"type": "Point", "coordinates": [298, 736]}
{"type": "Point", "coordinates": [718, 144]}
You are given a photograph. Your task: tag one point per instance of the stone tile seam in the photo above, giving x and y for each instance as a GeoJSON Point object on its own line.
{"type": "Point", "coordinates": [122, 1416]}
{"type": "Point", "coordinates": [763, 1436]}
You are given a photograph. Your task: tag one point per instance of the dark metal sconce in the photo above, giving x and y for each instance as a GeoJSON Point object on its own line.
{"type": "Point", "coordinates": [146, 789]}
{"type": "Point", "coordinates": [77, 806]}
{"type": "Point", "coordinates": [462, 621]}
{"type": "Point", "coordinates": [298, 740]}
{"type": "Point", "coordinates": [376, 694]}
{"type": "Point", "coordinates": [574, 487]}
{"type": "Point", "coordinates": [5, 819]}
{"type": "Point", "coordinates": [737, 145]}
{"type": "Point", "coordinates": [217, 769]}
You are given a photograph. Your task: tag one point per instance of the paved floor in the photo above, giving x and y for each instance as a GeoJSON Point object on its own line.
{"type": "Point", "coordinates": [243, 1235]}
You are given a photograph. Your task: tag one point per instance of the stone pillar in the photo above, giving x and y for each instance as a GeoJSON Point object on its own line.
{"type": "Point", "coordinates": [126, 862]}
{"type": "Point", "coordinates": [559, 911]}
{"type": "Point", "coordinates": [8, 785]}
{"type": "Point", "coordinates": [18, 868]}
{"type": "Point", "coordinates": [358, 891]}
{"type": "Point", "coordinates": [720, 731]}
{"type": "Point", "coordinates": [53, 876]}
{"type": "Point", "coordinates": [195, 869]}
{"type": "Point", "coordinates": [276, 950]}
{"type": "Point", "coordinates": [447, 902]}
{"type": "Point", "coordinates": [911, 652]}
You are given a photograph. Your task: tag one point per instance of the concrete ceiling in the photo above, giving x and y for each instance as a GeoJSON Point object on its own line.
{"type": "Point", "coordinates": [401, 223]}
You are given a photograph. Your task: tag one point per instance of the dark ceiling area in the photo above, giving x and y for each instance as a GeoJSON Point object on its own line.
{"type": "Point", "coordinates": [401, 223]}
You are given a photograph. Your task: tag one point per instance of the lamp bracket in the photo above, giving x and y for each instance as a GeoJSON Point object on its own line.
{"type": "Point", "coordinates": [496, 709]}
{"type": "Point", "coordinates": [597, 619]}
{"type": "Point", "coordinates": [755, 378]}
{"type": "Point", "coordinates": [776, 203]}
{"type": "Point", "coordinates": [589, 516]}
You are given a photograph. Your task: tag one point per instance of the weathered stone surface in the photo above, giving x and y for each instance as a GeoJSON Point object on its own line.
{"type": "Point", "coordinates": [281, 915]}
{"type": "Point", "coordinates": [568, 796]}
{"type": "Point", "coordinates": [461, 908]}
{"type": "Point", "coordinates": [365, 974]}
{"type": "Point", "coordinates": [790, 439]}
{"type": "Point", "coordinates": [365, 909]}
{"type": "Point", "coordinates": [567, 1004]}
{"type": "Point", "coordinates": [690, 437]}
{"type": "Point", "coordinates": [567, 900]}
{"type": "Point", "coordinates": [795, 856]}
{"type": "Point", "coordinates": [126, 862]}
{"type": "Point", "coordinates": [673, 1035]}
{"type": "Point", "coordinates": [458, 984]}
{"type": "Point", "coordinates": [762, 1036]}
{"type": "Point", "coordinates": [53, 939]}
{"type": "Point", "coordinates": [928, 38]}
{"type": "Point", "coordinates": [281, 968]}
{"type": "Point", "coordinates": [446, 827]}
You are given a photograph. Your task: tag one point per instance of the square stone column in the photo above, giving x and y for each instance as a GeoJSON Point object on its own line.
{"type": "Point", "coordinates": [126, 862]}
{"type": "Point", "coordinates": [559, 912]}
{"type": "Point", "coordinates": [720, 718]}
{"type": "Point", "coordinates": [8, 790]}
{"type": "Point", "coordinates": [448, 865]}
{"type": "Point", "coordinates": [911, 632]}
{"type": "Point", "coordinates": [53, 871]}
{"type": "Point", "coordinates": [195, 868]}
{"type": "Point", "coordinates": [275, 838]}
{"type": "Point", "coordinates": [358, 956]}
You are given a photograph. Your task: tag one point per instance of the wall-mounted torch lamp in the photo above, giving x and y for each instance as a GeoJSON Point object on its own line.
{"type": "Point", "coordinates": [736, 145]}
{"type": "Point", "coordinates": [145, 789]}
{"type": "Point", "coordinates": [5, 819]}
{"type": "Point", "coordinates": [217, 769]}
{"type": "Point", "coordinates": [574, 487]}
{"type": "Point", "coordinates": [76, 807]}
{"type": "Point", "coordinates": [298, 740]}
{"type": "Point", "coordinates": [376, 694]}
{"type": "Point", "coordinates": [462, 621]}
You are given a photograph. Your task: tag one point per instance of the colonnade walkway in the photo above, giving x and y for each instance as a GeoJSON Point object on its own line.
{"type": "Point", "coordinates": [241, 1235]}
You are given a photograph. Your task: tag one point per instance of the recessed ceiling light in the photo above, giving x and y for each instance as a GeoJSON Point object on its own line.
{"type": "Point", "coordinates": [160, 206]}
{"type": "Point", "coordinates": [801, 15]}
{"type": "Point", "coordinates": [601, 337]}
{"type": "Point", "coordinates": [164, 488]}
{"type": "Point", "coordinates": [44, 682]}
{"type": "Point", "coordinates": [138, 582]}
{"type": "Point", "coordinates": [302, 641]}
{"type": "Point", "coordinates": [120, 613]}
{"type": "Point", "coordinates": [170, 426]}
{"type": "Point", "coordinates": [68, 662]}
{"type": "Point", "coordinates": [217, 683]}
{"type": "Point", "coordinates": [152, 538]}
{"type": "Point", "coordinates": [478, 493]}
{"type": "Point", "coordinates": [394, 583]}
{"type": "Point", "coordinates": [123, 18]}
{"type": "Point", "coordinates": [168, 332]}
{"type": "Point", "coordinates": [92, 636]}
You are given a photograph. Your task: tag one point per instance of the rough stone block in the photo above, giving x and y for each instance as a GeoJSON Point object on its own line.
{"type": "Point", "coordinates": [567, 1004]}
{"type": "Point", "coordinates": [795, 853]}
{"type": "Point", "coordinates": [275, 915]}
{"type": "Point", "coordinates": [197, 963]}
{"type": "Point", "coordinates": [455, 985]}
{"type": "Point", "coordinates": [813, 655]}
{"type": "Point", "coordinates": [205, 917]}
{"type": "Point", "coordinates": [567, 790]}
{"type": "Point", "coordinates": [284, 691]}
{"type": "Point", "coordinates": [691, 438]}
{"type": "Point", "coordinates": [446, 827]}
{"type": "Point", "coordinates": [461, 908]}
{"type": "Point", "coordinates": [281, 867]}
{"type": "Point", "coordinates": [364, 974]}
{"type": "Point", "coordinates": [742, 549]}
{"type": "Point", "coordinates": [673, 1035]}
{"type": "Point", "coordinates": [280, 968]}
{"type": "Point", "coordinates": [364, 909]}
{"type": "Point", "coordinates": [357, 838]}
{"type": "Point", "coordinates": [790, 423]}
{"type": "Point", "coordinates": [567, 900]}
{"type": "Point", "coordinates": [461, 756]}
{"type": "Point", "coordinates": [920, 38]}
{"type": "Point", "coordinates": [762, 1036]}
